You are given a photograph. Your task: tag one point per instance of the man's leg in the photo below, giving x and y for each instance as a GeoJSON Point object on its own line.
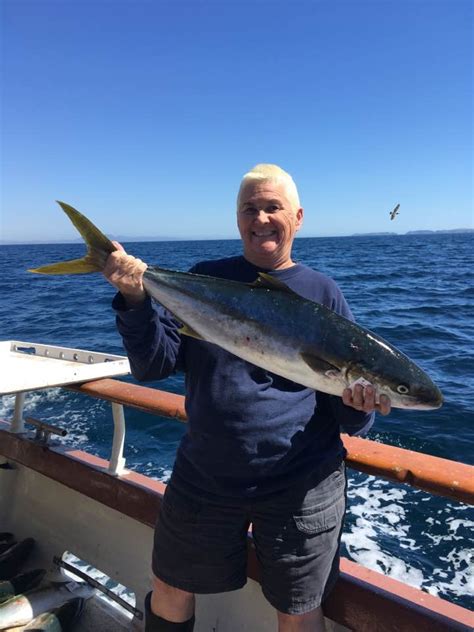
{"type": "Point", "coordinates": [310, 622]}
{"type": "Point", "coordinates": [168, 609]}
{"type": "Point", "coordinates": [297, 536]}
{"type": "Point", "coordinates": [199, 546]}
{"type": "Point", "coordinates": [171, 603]}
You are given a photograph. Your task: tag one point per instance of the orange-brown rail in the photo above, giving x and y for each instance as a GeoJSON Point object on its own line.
{"type": "Point", "coordinates": [433, 474]}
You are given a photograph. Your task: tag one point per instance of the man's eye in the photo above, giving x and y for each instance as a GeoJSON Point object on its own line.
{"type": "Point", "coordinates": [250, 210]}
{"type": "Point", "coordinates": [273, 208]}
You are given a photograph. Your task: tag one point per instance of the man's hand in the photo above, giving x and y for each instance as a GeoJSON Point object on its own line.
{"type": "Point", "coordinates": [363, 398]}
{"type": "Point", "coordinates": [125, 273]}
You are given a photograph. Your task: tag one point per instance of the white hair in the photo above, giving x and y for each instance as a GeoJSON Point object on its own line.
{"type": "Point", "coordinates": [271, 173]}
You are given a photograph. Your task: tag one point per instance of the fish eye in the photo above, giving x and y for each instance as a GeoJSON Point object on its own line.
{"type": "Point", "coordinates": [403, 389]}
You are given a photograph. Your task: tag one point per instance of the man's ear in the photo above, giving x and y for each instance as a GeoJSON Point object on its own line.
{"type": "Point", "coordinates": [299, 218]}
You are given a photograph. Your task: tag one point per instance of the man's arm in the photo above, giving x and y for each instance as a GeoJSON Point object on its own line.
{"type": "Point", "coordinates": [149, 333]}
{"type": "Point", "coordinates": [150, 337]}
{"type": "Point", "coordinates": [353, 422]}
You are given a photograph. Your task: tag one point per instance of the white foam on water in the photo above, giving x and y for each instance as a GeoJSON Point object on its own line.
{"type": "Point", "coordinates": [459, 561]}
{"type": "Point", "coordinates": [32, 401]}
{"type": "Point", "coordinates": [364, 550]}
{"type": "Point", "coordinates": [381, 526]}
{"type": "Point", "coordinates": [166, 475]}
{"type": "Point", "coordinates": [462, 564]}
{"type": "Point", "coordinates": [61, 408]}
{"type": "Point", "coordinates": [152, 470]}
{"type": "Point", "coordinates": [454, 524]}
{"type": "Point", "coordinates": [380, 512]}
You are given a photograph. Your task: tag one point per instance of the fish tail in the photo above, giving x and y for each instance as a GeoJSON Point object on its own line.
{"type": "Point", "coordinates": [98, 248]}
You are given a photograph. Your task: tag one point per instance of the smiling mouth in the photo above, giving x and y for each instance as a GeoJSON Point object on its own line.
{"type": "Point", "coordinates": [263, 234]}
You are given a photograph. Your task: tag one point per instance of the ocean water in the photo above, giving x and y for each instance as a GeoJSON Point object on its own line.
{"type": "Point", "coordinates": [415, 290]}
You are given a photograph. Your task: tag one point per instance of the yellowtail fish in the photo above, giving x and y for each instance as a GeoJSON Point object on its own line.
{"type": "Point", "coordinates": [12, 559]}
{"type": "Point", "coordinates": [269, 325]}
{"type": "Point", "coordinates": [22, 609]}
{"type": "Point", "coordinates": [21, 583]}
{"type": "Point", "coordinates": [58, 620]}
{"type": "Point", "coordinates": [7, 540]}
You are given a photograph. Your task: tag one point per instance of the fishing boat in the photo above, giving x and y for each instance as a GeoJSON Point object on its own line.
{"type": "Point", "coordinates": [77, 505]}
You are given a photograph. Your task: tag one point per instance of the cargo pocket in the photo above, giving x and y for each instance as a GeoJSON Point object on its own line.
{"type": "Point", "coordinates": [319, 519]}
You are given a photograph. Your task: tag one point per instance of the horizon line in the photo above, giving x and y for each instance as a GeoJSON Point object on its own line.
{"type": "Point", "coordinates": [143, 239]}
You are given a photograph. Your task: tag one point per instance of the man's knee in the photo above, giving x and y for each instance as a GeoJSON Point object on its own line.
{"type": "Point", "coordinates": [170, 603]}
{"type": "Point", "coordinates": [175, 597]}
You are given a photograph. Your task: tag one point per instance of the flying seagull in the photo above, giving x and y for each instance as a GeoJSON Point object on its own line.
{"type": "Point", "coordinates": [395, 212]}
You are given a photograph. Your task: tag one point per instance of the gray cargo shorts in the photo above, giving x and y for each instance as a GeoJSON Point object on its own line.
{"type": "Point", "coordinates": [201, 546]}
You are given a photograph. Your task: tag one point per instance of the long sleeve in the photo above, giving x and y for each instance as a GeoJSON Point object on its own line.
{"type": "Point", "coordinates": [354, 422]}
{"type": "Point", "coordinates": [150, 337]}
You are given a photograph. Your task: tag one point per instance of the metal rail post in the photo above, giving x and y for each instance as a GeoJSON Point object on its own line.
{"type": "Point", "coordinates": [117, 461]}
{"type": "Point", "coordinates": [18, 424]}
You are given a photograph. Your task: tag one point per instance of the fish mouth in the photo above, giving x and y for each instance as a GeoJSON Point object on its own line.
{"type": "Point", "coordinates": [423, 405]}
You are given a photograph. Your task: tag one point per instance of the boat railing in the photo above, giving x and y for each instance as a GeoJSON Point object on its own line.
{"type": "Point", "coordinates": [435, 475]}
{"type": "Point", "coordinates": [363, 599]}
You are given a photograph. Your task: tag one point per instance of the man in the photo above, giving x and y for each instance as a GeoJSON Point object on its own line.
{"type": "Point", "coordinates": [259, 449]}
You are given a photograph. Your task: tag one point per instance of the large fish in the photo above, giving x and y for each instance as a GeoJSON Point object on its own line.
{"type": "Point", "coordinates": [22, 609]}
{"type": "Point", "coordinates": [269, 325]}
{"type": "Point", "coordinates": [21, 583]}
{"type": "Point", "coordinates": [14, 557]}
{"type": "Point", "coordinates": [59, 619]}
{"type": "Point", "coordinates": [7, 540]}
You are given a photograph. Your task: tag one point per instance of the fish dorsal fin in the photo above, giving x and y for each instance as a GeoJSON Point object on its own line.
{"type": "Point", "coordinates": [185, 330]}
{"type": "Point", "coordinates": [272, 283]}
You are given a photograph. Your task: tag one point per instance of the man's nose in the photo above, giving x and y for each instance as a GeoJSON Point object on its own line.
{"type": "Point", "coordinates": [261, 215]}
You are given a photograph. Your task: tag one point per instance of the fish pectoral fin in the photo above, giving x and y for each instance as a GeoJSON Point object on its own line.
{"type": "Point", "coordinates": [267, 281]}
{"type": "Point", "coordinates": [320, 366]}
{"type": "Point", "coordinates": [186, 330]}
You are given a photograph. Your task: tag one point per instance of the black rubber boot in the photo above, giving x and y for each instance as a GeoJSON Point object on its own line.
{"type": "Point", "coordinates": [154, 623]}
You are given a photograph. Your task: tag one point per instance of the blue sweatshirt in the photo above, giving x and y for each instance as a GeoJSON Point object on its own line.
{"type": "Point", "coordinates": [250, 433]}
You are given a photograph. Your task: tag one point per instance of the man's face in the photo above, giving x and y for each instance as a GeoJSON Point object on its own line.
{"type": "Point", "coordinates": [267, 224]}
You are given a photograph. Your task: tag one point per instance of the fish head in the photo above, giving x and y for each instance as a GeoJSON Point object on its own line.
{"type": "Point", "coordinates": [405, 383]}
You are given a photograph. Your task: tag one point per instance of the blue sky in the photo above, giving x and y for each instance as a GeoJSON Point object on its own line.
{"type": "Point", "coordinates": [144, 115]}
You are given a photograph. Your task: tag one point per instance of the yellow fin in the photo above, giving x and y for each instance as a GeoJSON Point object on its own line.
{"type": "Point", "coordinates": [74, 266]}
{"type": "Point", "coordinates": [98, 248]}
{"type": "Point", "coordinates": [93, 237]}
{"type": "Point", "coordinates": [272, 283]}
{"type": "Point", "coordinates": [185, 330]}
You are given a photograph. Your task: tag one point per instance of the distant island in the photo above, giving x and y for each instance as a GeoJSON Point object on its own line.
{"type": "Point", "coordinates": [454, 230]}
{"type": "Point", "coordinates": [127, 239]}
{"type": "Point", "coordinates": [420, 232]}
{"type": "Point", "coordinates": [372, 234]}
